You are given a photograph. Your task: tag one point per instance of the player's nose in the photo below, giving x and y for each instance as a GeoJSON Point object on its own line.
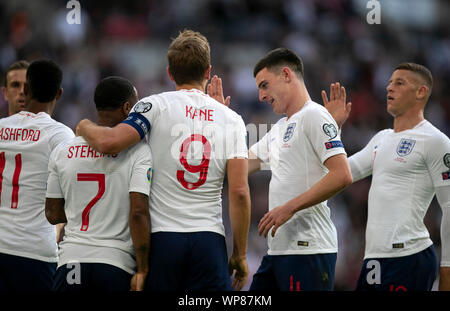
{"type": "Point", "coordinates": [262, 96]}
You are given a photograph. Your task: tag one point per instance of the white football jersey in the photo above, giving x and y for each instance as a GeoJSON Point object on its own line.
{"type": "Point", "coordinates": [296, 149]}
{"type": "Point", "coordinates": [192, 136]}
{"type": "Point", "coordinates": [406, 167]}
{"type": "Point", "coordinates": [96, 190]}
{"type": "Point", "coordinates": [26, 141]}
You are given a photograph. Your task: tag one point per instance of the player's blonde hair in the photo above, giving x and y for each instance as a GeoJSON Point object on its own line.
{"type": "Point", "coordinates": [189, 57]}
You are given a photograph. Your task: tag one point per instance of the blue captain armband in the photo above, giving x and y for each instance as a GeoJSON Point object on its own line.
{"type": "Point", "coordinates": [139, 122]}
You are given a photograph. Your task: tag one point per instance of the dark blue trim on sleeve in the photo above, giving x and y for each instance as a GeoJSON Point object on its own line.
{"type": "Point", "coordinates": [139, 122]}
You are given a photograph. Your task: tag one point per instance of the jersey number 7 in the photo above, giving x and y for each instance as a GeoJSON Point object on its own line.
{"type": "Point", "coordinates": [100, 178]}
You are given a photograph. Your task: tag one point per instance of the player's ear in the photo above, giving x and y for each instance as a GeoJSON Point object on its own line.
{"type": "Point", "coordinates": [60, 92]}
{"type": "Point", "coordinates": [287, 73]}
{"type": "Point", "coordinates": [422, 92]}
{"type": "Point", "coordinates": [4, 92]}
{"type": "Point", "coordinates": [170, 74]}
{"type": "Point", "coordinates": [126, 107]}
{"type": "Point", "coordinates": [208, 73]}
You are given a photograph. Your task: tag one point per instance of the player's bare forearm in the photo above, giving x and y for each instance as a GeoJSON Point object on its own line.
{"type": "Point", "coordinates": [140, 229]}
{"type": "Point", "coordinates": [444, 278]}
{"type": "Point", "coordinates": [54, 210]}
{"type": "Point", "coordinates": [240, 224]}
{"type": "Point", "coordinates": [338, 177]}
{"type": "Point", "coordinates": [239, 196]}
{"type": "Point", "coordinates": [108, 140]}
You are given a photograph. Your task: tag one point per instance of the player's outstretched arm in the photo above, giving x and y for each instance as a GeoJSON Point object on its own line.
{"type": "Point", "coordinates": [54, 211]}
{"type": "Point", "coordinates": [140, 235]}
{"type": "Point", "coordinates": [109, 140]}
{"type": "Point", "coordinates": [239, 196]}
{"type": "Point", "coordinates": [337, 178]}
{"type": "Point", "coordinates": [337, 105]}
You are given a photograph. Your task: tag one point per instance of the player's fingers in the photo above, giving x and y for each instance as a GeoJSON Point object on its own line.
{"type": "Point", "coordinates": [348, 107]}
{"type": "Point", "coordinates": [343, 94]}
{"type": "Point", "coordinates": [263, 222]}
{"type": "Point", "coordinates": [268, 227]}
{"type": "Point", "coordinates": [324, 98]}
{"type": "Point", "coordinates": [331, 91]}
{"type": "Point", "coordinates": [274, 229]}
{"type": "Point", "coordinates": [228, 101]}
{"type": "Point", "coordinates": [338, 90]}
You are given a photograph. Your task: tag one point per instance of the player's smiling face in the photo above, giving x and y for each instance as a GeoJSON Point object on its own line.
{"type": "Point", "coordinates": [272, 89]}
{"type": "Point", "coordinates": [401, 92]}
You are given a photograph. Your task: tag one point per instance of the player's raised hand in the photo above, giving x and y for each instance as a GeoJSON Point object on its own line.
{"type": "Point", "coordinates": [274, 218]}
{"type": "Point", "coordinates": [215, 90]}
{"type": "Point", "coordinates": [337, 105]}
{"type": "Point", "coordinates": [138, 282]}
{"type": "Point", "coordinates": [239, 266]}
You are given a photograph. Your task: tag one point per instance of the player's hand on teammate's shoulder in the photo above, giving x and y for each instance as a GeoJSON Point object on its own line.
{"type": "Point", "coordinates": [239, 266]}
{"type": "Point", "coordinates": [337, 106]}
{"type": "Point", "coordinates": [275, 218]}
{"type": "Point", "coordinates": [215, 90]}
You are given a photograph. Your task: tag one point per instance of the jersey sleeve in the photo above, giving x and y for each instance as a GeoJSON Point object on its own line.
{"type": "Point", "coordinates": [261, 148]}
{"type": "Point", "coordinates": [60, 134]}
{"type": "Point", "coordinates": [437, 158]}
{"type": "Point", "coordinates": [322, 131]}
{"type": "Point", "coordinates": [145, 113]}
{"type": "Point", "coordinates": [54, 190]}
{"type": "Point", "coordinates": [141, 174]}
{"type": "Point", "coordinates": [361, 163]}
{"type": "Point", "coordinates": [238, 137]}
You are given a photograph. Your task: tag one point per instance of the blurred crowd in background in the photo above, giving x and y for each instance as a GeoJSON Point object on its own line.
{"type": "Point", "coordinates": [130, 38]}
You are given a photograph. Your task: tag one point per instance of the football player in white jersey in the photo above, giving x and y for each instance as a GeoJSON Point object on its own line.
{"type": "Point", "coordinates": [408, 164]}
{"type": "Point", "coordinates": [13, 91]}
{"type": "Point", "coordinates": [28, 249]}
{"type": "Point", "coordinates": [309, 165]}
{"type": "Point", "coordinates": [104, 200]}
{"type": "Point", "coordinates": [195, 141]}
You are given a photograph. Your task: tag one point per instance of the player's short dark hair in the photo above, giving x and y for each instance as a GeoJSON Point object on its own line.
{"type": "Point", "coordinates": [44, 79]}
{"type": "Point", "coordinates": [19, 65]}
{"type": "Point", "coordinates": [278, 58]}
{"type": "Point", "coordinates": [189, 57]}
{"type": "Point", "coordinates": [112, 92]}
{"type": "Point", "coordinates": [421, 70]}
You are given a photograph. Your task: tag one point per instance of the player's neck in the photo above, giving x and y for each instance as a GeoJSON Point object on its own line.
{"type": "Point", "coordinates": [301, 96]}
{"type": "Point", "coordinates": [190, 86]}
{"type": "Point", "coordinates": [35, 106]}
{"type": "Point", "coordinates": [407, 121]}
{"type": "Point", "coordinates": [109, 118]}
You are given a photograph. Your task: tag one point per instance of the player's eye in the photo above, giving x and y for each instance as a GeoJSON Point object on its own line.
{"type": "Point", "coordinates": [15, 84]}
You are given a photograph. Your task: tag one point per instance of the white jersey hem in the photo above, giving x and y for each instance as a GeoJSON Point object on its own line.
{"type": "Point", "coordinates": [408, 252]}
{"type": "Point", "coordinates": [95, 260]}
{"type": "Point", "coordinates": [186, 230]}
{"type": "Point", "coordinates": [28, 255]}
{"type": "Point", "coordinates": [303, 252]}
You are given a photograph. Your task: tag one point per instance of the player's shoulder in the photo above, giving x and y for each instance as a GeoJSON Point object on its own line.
{"type": "Point", "coordinates": [312, 110]}
{"type": "Point", "coordinates": [141, 149]}
{"type": "Point", "coordinates": [434, 136]}
{"type": "Point", "coordinates": [51, 124]}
